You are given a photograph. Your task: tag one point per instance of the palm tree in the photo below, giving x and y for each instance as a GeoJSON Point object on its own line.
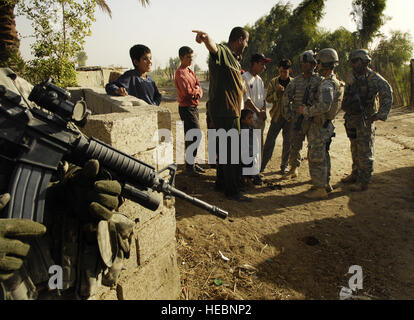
{"type": "Point", "coordinates": [9, 40]}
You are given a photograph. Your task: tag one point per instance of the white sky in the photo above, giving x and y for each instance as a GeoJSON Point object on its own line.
{"type": "Point", "coordinates": [165, 25]}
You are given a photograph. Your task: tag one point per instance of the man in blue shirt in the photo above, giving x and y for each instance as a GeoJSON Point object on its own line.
{"type": "Point", "coordinates": [136, 82]}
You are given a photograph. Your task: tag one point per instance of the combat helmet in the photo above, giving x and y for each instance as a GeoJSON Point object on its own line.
{"type": "Point", "coordinates": [328, 57]}
{"type": "Point", "coordinates": [360, 54]}
{"type": "Point", "coordinates": [308, 56]}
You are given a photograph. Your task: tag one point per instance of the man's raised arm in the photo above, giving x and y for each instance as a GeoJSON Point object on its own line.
{"type": "Point", "coordinates": [209, 43]}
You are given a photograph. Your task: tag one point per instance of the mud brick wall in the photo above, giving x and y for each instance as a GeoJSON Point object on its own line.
{"type": "Point", "coordinates": [130, 125]}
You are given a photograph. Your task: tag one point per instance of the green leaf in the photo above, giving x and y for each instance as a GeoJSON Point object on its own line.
{"type": "Point", "coordinates": [218, 282]}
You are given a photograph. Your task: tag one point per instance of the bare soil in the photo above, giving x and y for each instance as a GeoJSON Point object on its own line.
{"type": "Point", "coordinates": [284, 246]}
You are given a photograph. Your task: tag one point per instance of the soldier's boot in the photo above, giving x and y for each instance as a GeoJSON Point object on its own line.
{"type": "Point", "coordinates": [291, 174]}
{"type": "Point", "coordinates": [358, 187]}
{"type": "Point", "coordinates": [316, 193]}
{"type": "Point", "coordinates": [352, 178]}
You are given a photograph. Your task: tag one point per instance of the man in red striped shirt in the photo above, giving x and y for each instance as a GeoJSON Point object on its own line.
{"type": "Point", "coordinates": [189, 93]}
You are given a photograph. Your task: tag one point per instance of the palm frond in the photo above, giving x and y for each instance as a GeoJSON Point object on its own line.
{"type": "Point", "coordinates": [144, 2]}
{"type": "Point", "coordinates": [104, 7]}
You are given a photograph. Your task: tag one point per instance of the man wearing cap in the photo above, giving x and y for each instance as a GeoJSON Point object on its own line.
{"type": "Point", "coordinates": [254, 96]}
{"type": "Point", "coordinates": [225, 100]}
{"type": "Point", "coordinates": [360, 104]}
{"type": "Point", "coordinates": [274, 95]}
{"type": "Point", "coordinates": [307, 82]}
{"type": "Point", "coordinates": [321, 112]}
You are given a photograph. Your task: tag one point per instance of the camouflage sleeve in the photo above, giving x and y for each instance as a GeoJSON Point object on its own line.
{"type": "Point", "coordinates": [16, 84]}
{"type": "Point", "coordinates": [326, 95]}
{"type": "Point", "coordinates": [385, 98]}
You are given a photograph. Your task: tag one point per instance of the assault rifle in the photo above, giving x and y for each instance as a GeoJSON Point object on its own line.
{"type": "Point", "coordinates": [352, 103]}
{"type": "Point", "coordinates": [305, 101]}
{"type": "Point", "coordinates": [42, 139]}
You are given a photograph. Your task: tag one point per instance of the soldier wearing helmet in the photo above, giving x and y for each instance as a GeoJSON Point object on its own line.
{"type": "Point", "coordinates": [294, 95]}
{"type": "Point", "coordinates": [327, 58]}
{"type": "Point", "coordinates": [321, 112]}
{"type": "Point", "coordinates": [308, 56]}
{"type": "Point", "coordinates": [367, 98]}
{"type": "Point", "coordinates": [360, 54]}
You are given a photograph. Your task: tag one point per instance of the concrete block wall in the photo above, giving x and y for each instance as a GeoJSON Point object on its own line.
{"type": "Point", "coordinates": [96, 76]}
{"type": "Point", "coordinates": [131, 126]}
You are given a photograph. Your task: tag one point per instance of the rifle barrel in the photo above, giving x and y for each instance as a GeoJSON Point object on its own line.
{"type": "Point", "coordinates": [199, 203]}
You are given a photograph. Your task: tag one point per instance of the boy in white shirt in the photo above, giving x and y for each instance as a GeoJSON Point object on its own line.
{"type": "Point", "coordinates": [254, 97]}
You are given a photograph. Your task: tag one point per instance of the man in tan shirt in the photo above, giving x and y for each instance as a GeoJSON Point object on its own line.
{"type": "Point", "coordinates": [275, 93]}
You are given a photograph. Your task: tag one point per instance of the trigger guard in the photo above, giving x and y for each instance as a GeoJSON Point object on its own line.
{"type": "Point", "coordinates": [104, 175]}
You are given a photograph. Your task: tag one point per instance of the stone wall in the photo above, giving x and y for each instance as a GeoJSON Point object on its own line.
{"type": "Point", "coordinates": [131, 126]}
{"type": "Point", "coordinates": [92, 77]}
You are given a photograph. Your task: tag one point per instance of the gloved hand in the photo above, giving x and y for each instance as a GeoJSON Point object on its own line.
{"type": "Point", "coordinates": [13, 251]}
{"type": "Point", "coordinates": [375, 117]}
{"type": "Point", "coordinates": [4, 199]}
{"type": "Point", "coordinates": [81, 191]}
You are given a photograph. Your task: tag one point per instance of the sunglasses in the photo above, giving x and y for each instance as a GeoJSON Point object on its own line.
{"type": "Point", "coordinates": [355, 60]}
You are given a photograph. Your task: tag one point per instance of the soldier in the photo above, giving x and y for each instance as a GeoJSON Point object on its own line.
{"type": "Point", "coordinates": [308, 82]}
{"type": "Point", "coordinates": [69, 238]}
{"type": "Point", "coordinates": [361, 111]}
{"type": "Point", "coordinates": [321, 130]}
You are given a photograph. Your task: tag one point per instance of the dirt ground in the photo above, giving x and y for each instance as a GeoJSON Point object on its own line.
{"type": "Point", "coordinates": [284, 246]}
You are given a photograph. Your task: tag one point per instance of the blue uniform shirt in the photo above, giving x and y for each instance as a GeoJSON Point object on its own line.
{"type": "Point", "coordinates": [142, 88]}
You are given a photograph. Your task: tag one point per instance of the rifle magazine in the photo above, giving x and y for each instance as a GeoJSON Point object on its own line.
{"type": "Point", "coordinates": [28, 192]}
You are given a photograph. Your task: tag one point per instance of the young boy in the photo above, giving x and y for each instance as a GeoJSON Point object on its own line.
{"type": "Point", "coordinates": [254, 97]}
{"type": "Point", "coordinates": [275, 95]}
{"type": "Point", "coordinates": [136, 82]}
{"type": "Point", "coordinates": [246, 151]}
{"type": "Point", "coordinates": [189, 93]}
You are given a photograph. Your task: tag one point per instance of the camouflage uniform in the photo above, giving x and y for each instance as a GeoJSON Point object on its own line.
{"type": "Point", "coordinates": [321, 129]}
{"type": "Point", "coordinates": [72, 241]}
{"type": "Point", "coordinates": [360, 131]}
{"type": "Point", "coordinates": [292, 100]}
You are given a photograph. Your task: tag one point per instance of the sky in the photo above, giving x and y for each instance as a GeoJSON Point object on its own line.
{"type": "Point", "coordinates": [166, 25]}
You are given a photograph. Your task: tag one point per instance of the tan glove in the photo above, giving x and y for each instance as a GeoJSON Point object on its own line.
{"type": "Point", "coordinates": [13, 237]}
{"type": "Point", "coordinates": [80, 191]}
